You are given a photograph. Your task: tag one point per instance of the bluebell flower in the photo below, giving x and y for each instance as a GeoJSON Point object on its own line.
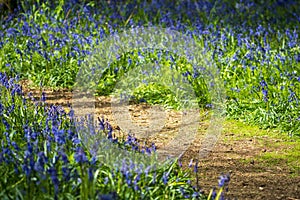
{"type": "Point", "coordinates": [15, 145]}
{"type": "Point", "coordinates": [101, 123]}
{"type": "Point", "coordinates": [91, 173]}
{"type": "Point", "coordinates": [209, 105]}
{"type": "Point", "coordinates": [179, 162]}
{"type": "Point", "coordinates": [223, 180]}
{"type": "Point", "coordinates": [76, 140]}
{"type": "Point", "coordinates": [148, 150]}
{"type": "Point", "coordinates": [135, 182]}
{"type": "Point", "coordinates": [190, 163]}
{"type": "Point", "coordinates": [80, 156]}
{"type": "Point", "coordinates": [11, 32]}
{"type": "Point", "coordinates": [187, 73]}
{"type": "Point", "coordinates": [43, 98]}
{"type": "Point", "coordinates": [263, 83]}
{"type": "Point", "coordinates": [265, 94]}
{"type": "Point", "coordinates": [154, 178]}
{"type": "Point", "coordinates": [128, 176]}
{"type": "Point", "coordinates": [214, 194]}
{"type": "Point", "coordinates": [153, 147]}
{"type": "Point", "coordinates": [66, 172]}
{"type": "Point", "coordinates": [129, 61]}
{"type": "Point", "coordinates": [165, 178]}
{"type": "Point", "coordinates": [196, 167]}
{"type": "Point", "coordinates": [110, 130]}
{"type": "Point", "coordinates": [6, 124]}
{"type": "Point", "coordinates": [106, 180]}
{"type": "Point", "coordinates": [26, 169]}
{"type": "Point", "coordinates": [40, 163]}
{"type": "Point", "coordinates": [64, 157]}
{"type": "Point", "coordinates": [196, 195]}
{"type": "Point", "coordinates": [53, 173]}
{"type": "Point", "coordinates": [182, 191]}
{"type": "Point", "coordinates": [111, 196]}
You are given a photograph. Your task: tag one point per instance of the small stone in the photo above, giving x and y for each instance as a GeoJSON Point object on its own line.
{"type": "Point", "coordinates": [261, 188]}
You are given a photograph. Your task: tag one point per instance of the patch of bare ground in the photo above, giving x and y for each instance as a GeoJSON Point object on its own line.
{"type": "Point", "coordinates": [250, 177]}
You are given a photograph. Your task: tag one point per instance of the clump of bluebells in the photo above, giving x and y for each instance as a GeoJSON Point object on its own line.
{"type": "Point", "coordinates": [43, 155]}
{"type": "Point", "coordinates": [258, 59]}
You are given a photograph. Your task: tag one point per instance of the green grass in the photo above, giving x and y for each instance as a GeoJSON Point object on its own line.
{"type": "Point", "coordinates": [281, 150]}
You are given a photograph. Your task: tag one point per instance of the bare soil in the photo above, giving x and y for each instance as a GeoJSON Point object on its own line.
{"type": "Point", "coordinates": [250, 177]}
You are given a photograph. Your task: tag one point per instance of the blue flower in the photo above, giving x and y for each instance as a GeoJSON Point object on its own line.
{"type": "Point", "coordinates": [101, 123]}
{"type": "Point", "coordinates": [135, 182]}
{"type": "Point", "coordinates": [53, 173]}
{"type": "Point", "coordinates": [91, 173]}
{"type": "Point", "coordinates": [223, 180]}
{"type": "Point", "coordinates": [106, 180]}
{"type": "Point", "coordinates": [191, 163]}
{"type": "Point", "coordinates": [80, 156]}
{"type": "Point", "coordinates": [11, 32]}
{"type": "Point", "coordinates": [153, 147]}
{"type": "Point", "coordinates": [6, 124]}
{"type": "Point", "coordinates": [196, 167]}
{"type": "Point", "coordinates": [111, 196]}
{"type": "Point", "coordinates": [263, 83]}
{"type": "Point", "coordinates": [265, 94]}
{"type": "Point", "coordinates": [64, 157]}
{"type": "Point", "coordinates": [41, 161]}
{"type": "Point", "coordinates": [179, 162]}
{"type": "Point", "coordinates": [154, 178]}
{"type": "Point", "coordinates": [165, 178]}
{"type": "Point", "coordinates": [43, 98]}
{"type": "Point", "coordinates": [66, 173]}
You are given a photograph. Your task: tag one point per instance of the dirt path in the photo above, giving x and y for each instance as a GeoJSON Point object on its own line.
{"type": "Point", "coordinates": [235, 152]}
{"type": "Point", "coordinates": [251, 178]}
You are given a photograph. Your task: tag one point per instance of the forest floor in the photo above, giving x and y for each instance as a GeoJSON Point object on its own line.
{"type": "Point", "coordinates": [264, 164]}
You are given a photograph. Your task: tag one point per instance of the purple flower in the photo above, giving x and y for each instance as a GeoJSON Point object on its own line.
{"type": "Point", "coordinates": [11, 32]}
{"type": "Point", "coordinates": [196, 167]}
{"type": "Point", "coordinates": [106, 180]}
{"type": "Point", "coordinates": [91, 173]}
{"type": "Point", "coordinates": [101, 123]}
{"type": "Point", "coordinates": [66, 173]}
{"type": "Point", "coordinates": [165, 178]}
{"type": "Point", "coordinates": [135, 182]}
{"type": "Point", "coordinates": [128, 177]}
{"type": "Point", "coordinates": [265, 94]}
{"type": "Point", "coordinates": [43, 98]}
{"type": "Point", "coordinates": [263, 83]}
{"type": "Point", "coordinates": [191, 163]}
{"type": "Point", "coordinates": [154, 178]}
{"type": "Point", "coordinates": [6, 124]}
{"type": "Point", "coordinates": [223, 180]}
{"type": "Point", "coordinates": [64, 157]}
{"type": "Point", "coordinates": [53, 173]}
{"type": "Point", "coordinates": [129, 61]}
{"type": "Point", "coordinates": [153, 147]}
{"type": "Point", "coordinates": [214, 194]}
{"type": "Point", "coordinates": [41, 161]}
{"type": "Point", "coordinates": [179, 162]}
{"type": "Point", "coordinates": [80, 156]}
